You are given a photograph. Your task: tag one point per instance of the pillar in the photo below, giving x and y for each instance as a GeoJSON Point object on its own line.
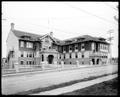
{"type": "Point", "coordinates": [62, 64]}
{"type": "Point", "coordinates": [91, 63]}
{"type": "Point", "coordinates": [16, 67]}
{"type": "Point", "coordinates": [43, 64]}
{"type": "Point", "coordinates": [77, 62]}
{"type": "Point", "coordinates": [95, 61]}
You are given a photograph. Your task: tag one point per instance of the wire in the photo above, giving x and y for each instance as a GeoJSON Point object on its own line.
{"type": "Point", "coordinates": [46, 27]}
{"type": "Point", "coordinates": [89, 13]}
{"type": "Point", "coordinates": [110, 6]}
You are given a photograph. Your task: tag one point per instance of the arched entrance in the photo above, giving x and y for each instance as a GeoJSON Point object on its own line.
{"type": "Point", "coordinates": [50, 59]}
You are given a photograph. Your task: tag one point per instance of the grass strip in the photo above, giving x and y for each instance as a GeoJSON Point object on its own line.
{"type": "Point", "coordinates": [38, 90]}
{"type": "Point", "coordinates": [105, 88]}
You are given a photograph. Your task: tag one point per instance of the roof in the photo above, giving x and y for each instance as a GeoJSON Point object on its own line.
{"type": "Point", "coordinates": [19, 34]}
{"type": "Point", "coordinates": [83, 38]}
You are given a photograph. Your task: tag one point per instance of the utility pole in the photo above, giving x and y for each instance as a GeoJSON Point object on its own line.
{"type": "Point", "coordinates": [49, 25]}
{"type": "Point", "coordinates": [110, 38]}
{"type": "Point", "coordinates": [115, 17]}
{"type": "Point", "coordinates": [3, 18]}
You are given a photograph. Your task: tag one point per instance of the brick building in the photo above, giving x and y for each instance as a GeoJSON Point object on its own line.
{"type": "Point", "coordinates": [31, 49]}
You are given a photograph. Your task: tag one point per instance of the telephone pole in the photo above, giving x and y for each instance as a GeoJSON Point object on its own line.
{"type": "Point", "coordinates": [110, 38]}
{"type": "Point", "coordinates": [3, 18]}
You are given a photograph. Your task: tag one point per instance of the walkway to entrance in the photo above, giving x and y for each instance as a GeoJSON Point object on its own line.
{"type": "Point", "coordinates": [50, 59]}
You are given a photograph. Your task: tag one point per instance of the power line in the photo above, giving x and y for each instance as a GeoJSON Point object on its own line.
{"type": "Point", "coordinates": [89, 13]}
{"type": "Point", "coordinates": [46, 27]}
{"type": "Point", "coordinates": [110, 6]}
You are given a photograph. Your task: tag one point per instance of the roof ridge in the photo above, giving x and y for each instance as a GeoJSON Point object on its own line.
{"type": "Point", "coordinates": [26, 32]}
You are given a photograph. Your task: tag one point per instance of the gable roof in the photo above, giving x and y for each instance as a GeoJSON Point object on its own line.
{"type": "Point", "coordinates": [19, 34]}
{"type": "Point", "coordinates": [83, 39]}
{"type": "Point", "coordinates": [35, 37]}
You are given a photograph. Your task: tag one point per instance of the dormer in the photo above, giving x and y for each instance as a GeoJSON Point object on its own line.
{"type": "Point", "coordinates": [26, 37]}
{"type": "Point", "coordinates": [68, 41]}
{"type": "Point", "coordinates": [102, 39]}
{"type": "Point", "coordinates": [80, 39]}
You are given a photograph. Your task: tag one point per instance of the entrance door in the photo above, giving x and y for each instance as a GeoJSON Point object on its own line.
{"type": "Point", "coordinates": [50, 59]}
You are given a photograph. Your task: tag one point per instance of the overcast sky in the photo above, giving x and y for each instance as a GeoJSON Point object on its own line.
{"type": "Point", "coordinates": [65, 19]}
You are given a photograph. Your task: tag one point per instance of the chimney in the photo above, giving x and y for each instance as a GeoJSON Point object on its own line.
{"type": "Point", "coordinates": [12, 26]}
{"type": "Point", "coordinates": [51, 34]}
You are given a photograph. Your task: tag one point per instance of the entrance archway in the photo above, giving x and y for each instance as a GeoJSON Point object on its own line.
{"type": "Point", "coordinates": [50, 59]}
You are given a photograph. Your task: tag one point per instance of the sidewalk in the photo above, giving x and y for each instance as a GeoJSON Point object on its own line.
{"type": "Point", "coordinates": [77, 86]}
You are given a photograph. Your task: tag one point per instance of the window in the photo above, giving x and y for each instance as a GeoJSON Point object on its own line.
{"type": "Point", "coordinates": [27, 63]}
{"type": "Point", "coordinates": [22, 54]}
{"type": "Point", "coordinates": [30, 55]}
{"type": "Point", "coordinates": [21, 43]}
{"type": "Point", "coordinates": [82, 46]}
{"type": "Point", "coordinates": [82, 56]}
{"type": "Point", "coordinates": [60, 56]}
{"type": "Point", "coordinates": [70, 48]}
{"type": "Point", "coordinates": [76, 55]}
{"type": "Point", "coordinates": [29, 45]}
{"type": "Point", "coordinates": [42, 57]}
{"type": "Point", "coordinates": [70, 55]}
{"type": "Point", "coordinates": [76, 47]}
{"type": "Point", "coordinates": [64, 56]}
{"type": "Point", "coordinates": [21, 62]}
{"type": "Point", "coordinates": [30, 62]}
{"type": "Point", "coordinates": [33, 55]}
{"type": "Point", "coordinates": [27, 55]}
{"type": "Point", "coordinates": [64, 49]}
{"type": "Point", "coordinates": [70, 62]}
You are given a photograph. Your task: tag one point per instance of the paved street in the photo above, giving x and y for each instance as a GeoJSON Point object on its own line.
{"type": "Point", "coordinates": [15, 84]}
{"type": "Point", "coordinates": [77, 86]}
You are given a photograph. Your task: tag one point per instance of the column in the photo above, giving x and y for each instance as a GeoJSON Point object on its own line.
{"type": "Point", "coordinates": [16, 67]}
{"type": "Point", "coordinates": [91, 63]}
{"type": "Point", "coordinates": [43, 64]}
{"type": "Point", "coordinates": [62, 64]}
{"type": "Point", "coordinates": [77, 62]}
{"type": "Point", "coordinates": [95, 61]}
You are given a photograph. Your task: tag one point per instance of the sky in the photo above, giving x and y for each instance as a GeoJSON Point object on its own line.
{"type": "Point", "coordinates": [64, 19]}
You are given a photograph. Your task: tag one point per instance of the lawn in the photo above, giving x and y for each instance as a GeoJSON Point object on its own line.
{"type": "Point", "coordinates": [105, 88]}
